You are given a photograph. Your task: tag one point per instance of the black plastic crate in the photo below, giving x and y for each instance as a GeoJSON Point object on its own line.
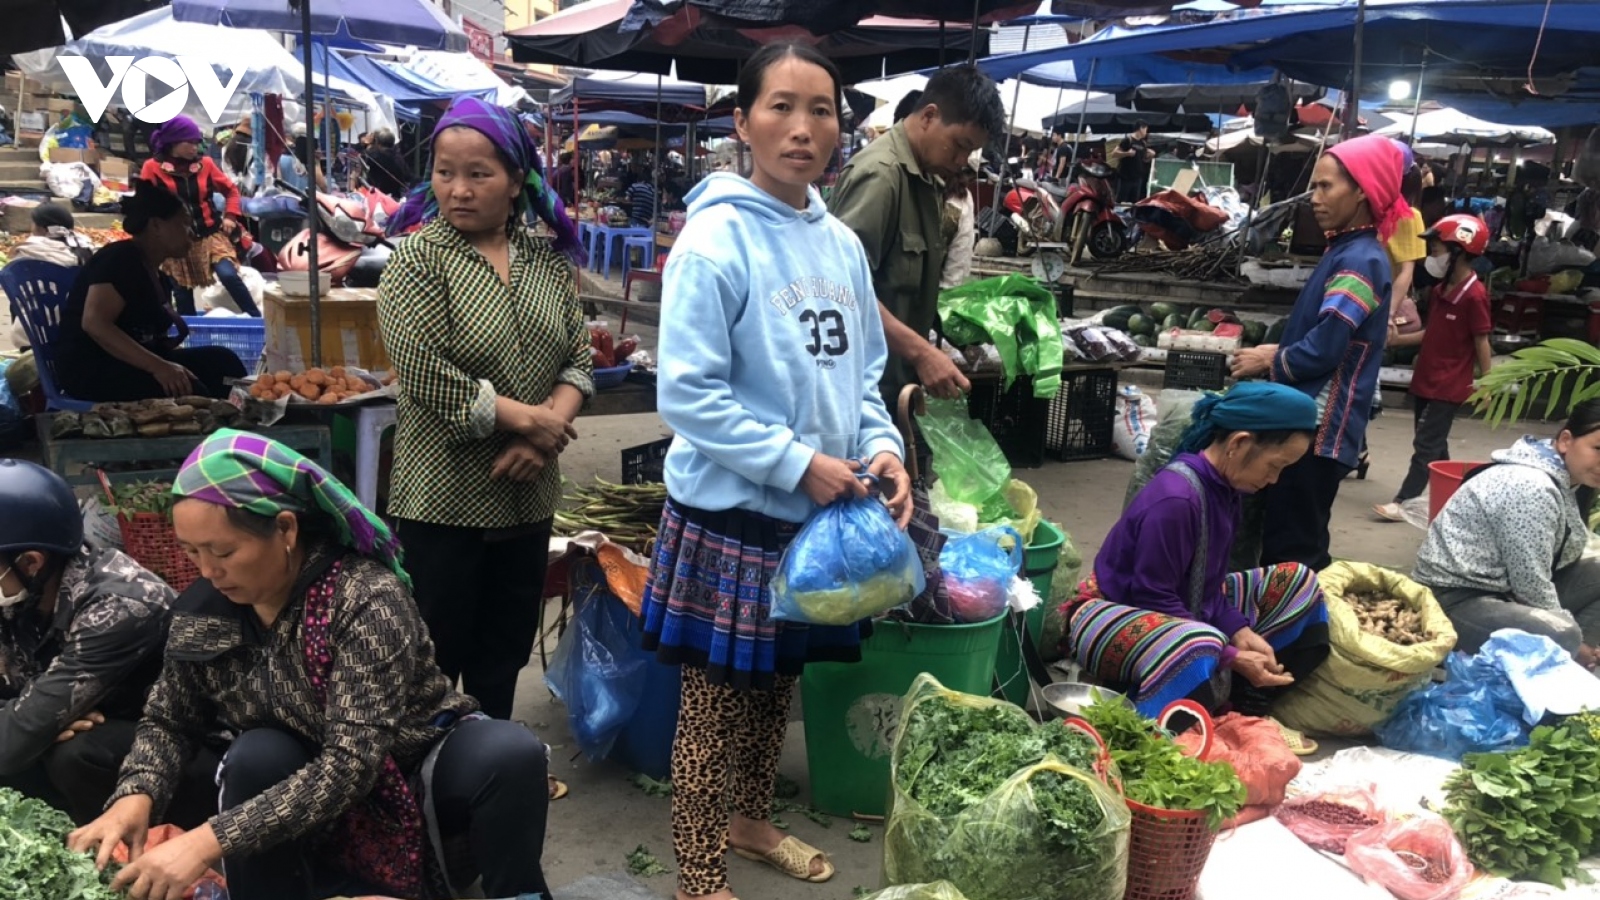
{"type": "Point", "coordinates": [643, 464]}
{"type": "Point", "coordinates": [1079, 419]}
{"type": "Point", "coordinates": [1015, 417]}
{"type": "Point", "coordinates": [1195, 371]}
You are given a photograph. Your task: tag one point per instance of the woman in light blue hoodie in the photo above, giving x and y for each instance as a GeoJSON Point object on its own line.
{"type": "Point", "coordinates": [771, 351]}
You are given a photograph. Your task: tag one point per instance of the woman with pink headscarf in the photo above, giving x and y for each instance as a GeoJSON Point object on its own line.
{"type": "Point", "coordinates": [1332, 346]}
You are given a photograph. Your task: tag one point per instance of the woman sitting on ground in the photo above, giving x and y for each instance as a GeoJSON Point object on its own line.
{"type": "Point", "coordinates": [53, 239]}
{"type": "Point", "coordinates": [350, 747]}
{"type": "Point", "coordinates": [1161, 617]}
{"type": "Point", "coordinates": [1507, 550]}
{"type": "Point", "coordinates": [114, 341]}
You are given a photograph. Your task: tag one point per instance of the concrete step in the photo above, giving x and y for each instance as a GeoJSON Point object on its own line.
{"type": "Point", "coordinates": [95, 220]}
{"type": "Point", "coordinates": [12, 186]}
{"type": "Point", "coordinates": [19, 154]}
{"type": "Point", "coordinates": [18, 171]}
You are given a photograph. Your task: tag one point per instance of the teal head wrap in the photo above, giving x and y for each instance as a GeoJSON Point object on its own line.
{"type": "Point", "coordinates": [1249, 406]}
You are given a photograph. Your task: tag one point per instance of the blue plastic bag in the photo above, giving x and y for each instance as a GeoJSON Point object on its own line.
{"type": "Point", "coordinates": [595, 671]}
{"type": "Point", "coordinates": [978, 569]}
{"type": "Point", "coordinates": [1475, 710]}
{"type": "Point", "coordinates": [850, 562]}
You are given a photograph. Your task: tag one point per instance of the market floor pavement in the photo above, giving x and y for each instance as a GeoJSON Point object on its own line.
{"type": "Point", "coordinates": [605, 817]}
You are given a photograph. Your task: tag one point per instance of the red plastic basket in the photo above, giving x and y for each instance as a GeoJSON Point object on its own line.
{"type": "Point", "coordinates": [1167, 850]}
{"type": "Point", "coordinates": [149, 540]}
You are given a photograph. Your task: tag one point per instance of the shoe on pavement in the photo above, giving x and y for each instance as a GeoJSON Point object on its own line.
{"type": "Point", "coordinates": [1389, 512]}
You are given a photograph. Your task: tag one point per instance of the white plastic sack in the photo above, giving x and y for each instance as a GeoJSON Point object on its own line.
{"type": "Point", "coordinates": [99, 525]}
{"type": "Point", "coordinates": [1136, 415]}
{"type": "Point", "coordinates": [215, 296]}
{"type": "Point", "coordinates": [66, 180]}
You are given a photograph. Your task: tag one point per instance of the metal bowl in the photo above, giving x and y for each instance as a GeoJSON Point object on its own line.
{"type": "Point", "coordinates": [1070, 697]}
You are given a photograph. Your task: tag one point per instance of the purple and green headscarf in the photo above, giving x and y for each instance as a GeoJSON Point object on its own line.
{"type": "Point", "coordinates": [502, 127]}
{"type": "Point", "coordinates": [246, 471]}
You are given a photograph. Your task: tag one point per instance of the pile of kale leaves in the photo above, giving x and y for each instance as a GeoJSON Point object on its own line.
{"type": "Point", "coordinates": [34, 859]}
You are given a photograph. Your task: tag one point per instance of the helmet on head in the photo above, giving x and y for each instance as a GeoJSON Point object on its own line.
{"type": "Point", "coordinates": [1467, 232]}
{"type": "Point", "coordinates": [37, 510]}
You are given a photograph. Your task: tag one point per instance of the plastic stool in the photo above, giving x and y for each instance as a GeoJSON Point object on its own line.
{"type": "Point", "coordinates": [647, 248]}
{"type": "Point", "coordinates": [371, 422]}
{"type": "Point", "coordinates": [627, 290]}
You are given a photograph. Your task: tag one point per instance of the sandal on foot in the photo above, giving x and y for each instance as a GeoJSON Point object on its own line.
{"type": "Point", "coordinates": [793, 858]}
{"type": "Point", "coordinates": [1299, 744]}
{"type": "Point", "coordinates": [558, 788]}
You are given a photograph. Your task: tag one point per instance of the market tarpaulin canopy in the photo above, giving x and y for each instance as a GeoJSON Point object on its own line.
{"type": "Point", "coordinates": [400, 23]}
{"type": "Point", "coordinates": [634, 36]}
{"type": "Point", "coordinates": [639, 94]}
{"type": "Point", "coordinates": [1465, 42]}
{"type": "Point", "coordinates": [1102, 115]}
{"type": "Point", "coordinates": [1456, 127]}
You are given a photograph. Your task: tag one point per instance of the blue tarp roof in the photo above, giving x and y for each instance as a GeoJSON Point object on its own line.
{"type": "Point", "coordinates": [1464, 39]}
{"type": "Point", "coordinates": [407, 89]}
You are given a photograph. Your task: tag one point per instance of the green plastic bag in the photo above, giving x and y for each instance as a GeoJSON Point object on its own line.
{"type": "Point", "coordinates": [966, 458]}
{"type": "Point", "coordinates": [1018, 315]}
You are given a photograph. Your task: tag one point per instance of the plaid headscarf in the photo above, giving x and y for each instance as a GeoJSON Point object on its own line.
{"type": "Point", "coordinates": [503, 129]}
{"type": "Point", "coordinates": [257, 474]}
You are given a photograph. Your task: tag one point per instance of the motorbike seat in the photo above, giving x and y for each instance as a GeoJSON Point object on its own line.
{"type": "Point", "coordinates": [1053, 189]}
{"type": "Point", "coordinates": [1094, 170]}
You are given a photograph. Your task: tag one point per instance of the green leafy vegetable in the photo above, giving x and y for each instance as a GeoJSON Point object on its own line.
{"type": "Point", "coordinates": [131, 498]}
{"type": "Point", "coordinates": [1003, 808]}
{"type": "Point", "coordinates": [650, 786]}
{"type": "Point", "coordinates": [34, 859]}
{"type": "Point", "coordinates": [861, 834]}
{"type": "Point", "coordinates": [1530, 813]}
{"type": "Point", "coordinates": [643, 863]}
{"type": "Point", "coordinates": [1155, 770]}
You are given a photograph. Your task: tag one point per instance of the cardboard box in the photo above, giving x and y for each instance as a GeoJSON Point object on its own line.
{"type": "Point", "coordinates": [349, 330]}
{"type": "Point", "coordinates": [59, 107]}
{"type": "Point", "coordinates": [31, 121]}
{"type": "Point", "coordinates": [116, 170]}
{"type": "Point", "coordinates": [90, 157]}
{"type": "Point", "coordinates": [19, 217]}
{"type": "Point", "coordinates": [16, 82]}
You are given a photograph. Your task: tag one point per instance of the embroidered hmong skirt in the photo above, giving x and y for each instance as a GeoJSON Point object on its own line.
{"type": "Point", "coordinates": [1160, 658]}
{"type": "Point", "coordinates": [194, 270]}
{"type": "Point", "coordinates": [707, 602]}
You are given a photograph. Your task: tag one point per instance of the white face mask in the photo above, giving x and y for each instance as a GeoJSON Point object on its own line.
{"type": "Point", "coordinates": [10, 600]}
{"type": "Point", "coordinates": [1438, 266]}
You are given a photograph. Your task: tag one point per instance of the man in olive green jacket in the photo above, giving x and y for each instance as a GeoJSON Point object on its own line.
{"type": "Point", "coordinates": [891, 197]}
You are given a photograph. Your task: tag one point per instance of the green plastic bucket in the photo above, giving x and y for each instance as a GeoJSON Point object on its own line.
{"type": "Point", "coordinates": [851, 710]}
{"type": "Point", "coordinates": [1039, 566]}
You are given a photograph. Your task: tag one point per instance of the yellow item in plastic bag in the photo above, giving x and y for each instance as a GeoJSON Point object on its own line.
{"type": "Point", "coordinates": [1006, 845]}
{"type": "Point", "coordinates": [1366, 676]}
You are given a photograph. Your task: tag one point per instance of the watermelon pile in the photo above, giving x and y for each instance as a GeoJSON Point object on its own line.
{"type": "Point", "coordinates": [1143, 323]}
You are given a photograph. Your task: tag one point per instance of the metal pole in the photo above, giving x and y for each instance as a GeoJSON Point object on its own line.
{"type": "Point", "coordinates": [1083, 113]}
{"type": "Point", "coordinates": [1055, 152]}
{"type": "Point", "coordinates": [1353, 108]}
{"type": "Point", "coordinates": [972, 34]}
{"type": "Point", "coordinates": [655, 207]}
{"type": "Point", "coordinates": [1416, 106]}
{"type": "Point", "coordinates": [313, 207]}
{"type": "Point", "coordinates": [1005, 155]}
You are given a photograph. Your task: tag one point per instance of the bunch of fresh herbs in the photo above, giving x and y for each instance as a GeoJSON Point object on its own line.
{"type": "Point", "coordinates": [985, 799]}
{"type": "Point", "coordinates": [1155, 770]}
{"type": "Point", "coordinates": [1530, 813]}
{"type": "Point", "coordinates": [34, 859]}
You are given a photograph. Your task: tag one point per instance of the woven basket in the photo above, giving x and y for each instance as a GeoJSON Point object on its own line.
{"type": "Point", "coordinates": [1167, 850]}
{"type": "Point", "coordinates": [148, 538]}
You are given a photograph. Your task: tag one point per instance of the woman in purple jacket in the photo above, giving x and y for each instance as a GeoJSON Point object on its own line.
{"type": "Point", "coordinates": [1161, 617]}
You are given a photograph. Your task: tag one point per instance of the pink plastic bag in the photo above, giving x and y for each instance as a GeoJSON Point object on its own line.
{"type": "Point", "coordinates": [1417, 858]}
{"type": "Point", "coordinates": [1328, 820]}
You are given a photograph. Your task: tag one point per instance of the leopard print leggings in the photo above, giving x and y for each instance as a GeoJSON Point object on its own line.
{"type": "Point", "coordinates": [725, 755]}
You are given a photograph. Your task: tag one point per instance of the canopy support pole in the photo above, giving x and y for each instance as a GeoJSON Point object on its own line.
{"type": "Point", "coordinates": [1055, 149]}
{"type": "Point", "coordinates": [972, 33]}
{"type": "Point", "coordinates": [1416, 105]}
{"type": "Point", "coordinates": [577, 153]}
{"type": "Point", "coordinates": [1005, 154]}
{"type": "Point", "coordinates": [1083, 113]}
{"type": "Point", "coordinates": [313, 205]}
{"type": "Point", "coordinates": [655, 206]}
{"type": "Point", "coordinates": [1353, 108]}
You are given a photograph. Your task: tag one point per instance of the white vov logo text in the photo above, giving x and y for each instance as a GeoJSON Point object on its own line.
{"type": "Point", "coordinates": [180, 75]}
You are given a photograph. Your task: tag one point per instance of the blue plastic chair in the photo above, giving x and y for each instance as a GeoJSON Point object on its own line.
{"type": "Point", "coordinates": [38, 293]}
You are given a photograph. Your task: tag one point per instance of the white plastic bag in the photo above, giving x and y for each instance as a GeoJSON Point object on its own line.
{"type": "Point", "coordinates": [1136, 415]}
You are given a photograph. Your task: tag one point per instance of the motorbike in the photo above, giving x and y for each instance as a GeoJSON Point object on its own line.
{"type": "Point", "coordinates": [1082, 215]}
{"type": "Point", "coordinates": [1018, 235]}
{"type": "Point", "coordinates": [351, 246]}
